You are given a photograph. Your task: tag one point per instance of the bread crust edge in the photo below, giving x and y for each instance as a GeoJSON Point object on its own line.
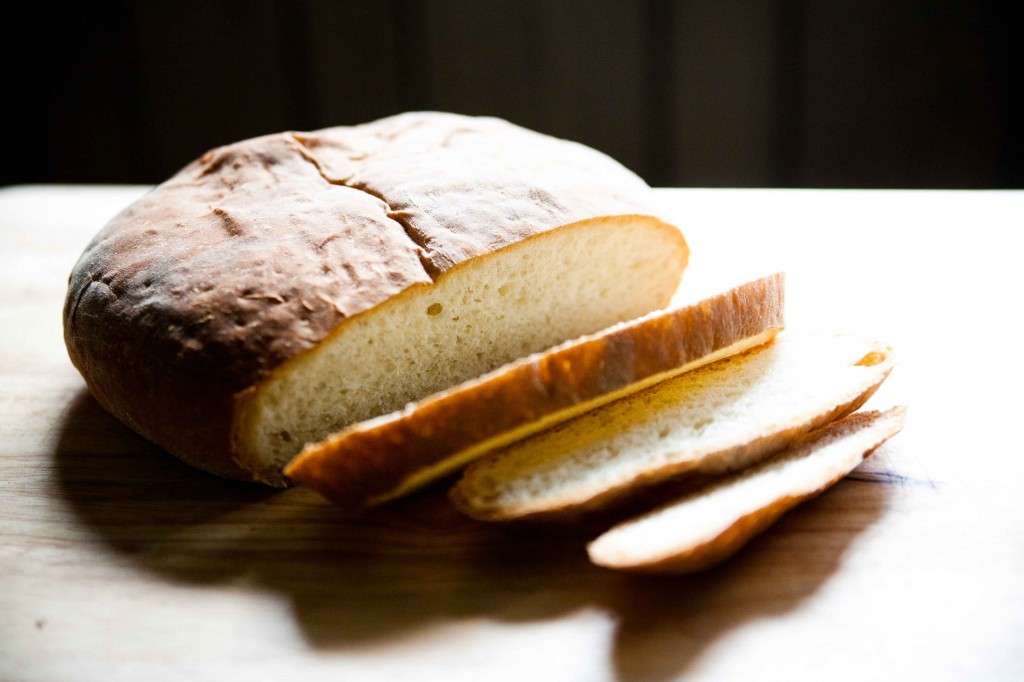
{"type": "Point", "coordinates": [723, 545]}
{"type": "Point", "coordinates": [243, 402]}
{"type": "Point", "coordinates": [748, 453]}
{"type": "Point", "coordinates": [368, 462]}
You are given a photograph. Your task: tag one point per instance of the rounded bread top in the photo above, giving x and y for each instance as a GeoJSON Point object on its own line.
{"type": "Point", "coordinates": [254, 252]}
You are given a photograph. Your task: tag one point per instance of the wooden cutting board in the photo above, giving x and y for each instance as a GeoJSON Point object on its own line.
{"type": "Point", "coordinates": [119, 563]}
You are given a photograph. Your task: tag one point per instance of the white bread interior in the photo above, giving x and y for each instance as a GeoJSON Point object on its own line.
{"type": "Point", "coordinates": [523, 298]}
{"type": "Point", "coordinates": [711, 523]}
{"type": "Point", "coordinates": [721, 417]}
{"type": "Point", "coordinates": [385, 457]}
{"type": "Point", "coordinates": [463, 458]}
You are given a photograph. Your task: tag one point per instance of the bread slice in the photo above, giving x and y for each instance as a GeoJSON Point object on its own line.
{"type": "Point", "coordinates": [388, 456]}
{"type": "Point", "coordinates": [721, 417]}
{"type": "Point", "coordinates": [713, 522]}
{"type": "Point", "coordinates": [472, 319]}
{"type": "Point", "coordinates": [281, 288]}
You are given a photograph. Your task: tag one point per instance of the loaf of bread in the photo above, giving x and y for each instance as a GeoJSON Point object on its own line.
{"type": "Point", "coordinates": [385, 457]}
{"type": "Point", "coordinates": [721, 417]}
{"type": "Point", "coordinates": [711, 523]}
{"type": "Point", "coordinates": [278, 289]}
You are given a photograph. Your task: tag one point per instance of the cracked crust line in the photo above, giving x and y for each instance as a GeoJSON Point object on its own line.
{"type": "Point", "coordinates": [414, 235]}
{"type": "Point", "coordinates": [73, 314]}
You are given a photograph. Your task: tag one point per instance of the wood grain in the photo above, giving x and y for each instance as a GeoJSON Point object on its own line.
{"type": "Point", "coordinates": [117, 562]}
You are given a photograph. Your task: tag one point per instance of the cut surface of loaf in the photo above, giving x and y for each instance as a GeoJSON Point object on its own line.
{"type": "Point", "coordinates": [279, 288]}
{"type": "Point", "coordinates": [387, 456]}
{"type": "Point", "coordinates": [495, 309]}
{"type": "Point", "coordinates": [713, 522]}
{"type": "Point", "coordinates": [717, 418]}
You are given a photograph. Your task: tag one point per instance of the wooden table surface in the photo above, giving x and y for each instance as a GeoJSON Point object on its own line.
{"type": "Point", "coordinates": [119, 563]}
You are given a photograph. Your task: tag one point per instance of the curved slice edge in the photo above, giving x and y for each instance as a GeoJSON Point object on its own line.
{"type": "Point", "coordinates": [730, 458]}
{"type": "Point", "coordinates": [244, 403]}
{"type": "Point", "coordinates": [680, 537]}
{"type": "Point", "coordinates": [388, 456]}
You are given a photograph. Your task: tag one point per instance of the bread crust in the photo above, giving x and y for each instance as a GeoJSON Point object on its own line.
{"type": "Point", "coordinates": [571, 505]}
{"type": "Point", "coordinates": [722, 545]}
{"type": "Point", "coordinates": [369, 462]}
{"type": "Point", "coordinates": [258, 250]}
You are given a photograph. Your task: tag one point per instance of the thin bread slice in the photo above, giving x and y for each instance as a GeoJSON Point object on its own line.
{"type": "Point", "coordinates": [710, 524]}
{"type": "Point", "coordinates": [721, 417]}
{"type": "Point", "coordinates": [388, 456]}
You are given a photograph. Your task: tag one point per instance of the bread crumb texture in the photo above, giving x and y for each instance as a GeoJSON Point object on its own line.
{"type": "Point", "coordinates": [709, 524]}
{"type": "Point", "coordinates": [235, 271]}
{"type": "Point", "coordinates": [717, 418]}
{"type": "Point", "coordinates": [463, 326]}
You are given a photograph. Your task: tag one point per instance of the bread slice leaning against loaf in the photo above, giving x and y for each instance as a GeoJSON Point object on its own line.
{"type": "Point", "coordinates": [721, 417]}
{"type": "Point", "coordinates": [713, 522]}
{"type": "Point", "coordinates": [388, 456]}
{"type": "Point", "coordinates": [281, 288]}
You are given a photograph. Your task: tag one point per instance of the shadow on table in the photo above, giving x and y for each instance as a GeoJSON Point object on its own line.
{"type": "Point", "coordinates": [417, 562]}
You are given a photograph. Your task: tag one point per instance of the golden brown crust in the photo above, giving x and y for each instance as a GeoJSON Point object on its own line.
{"type": "Point", "coordinates": [465, 186]}
{"type": "Point", "coordinates": [371, 459]}
{"type": "Point", "coordinates": [724, 460]}
{"type": "Point", "coordinates": [255, 252]}
{"type": "Point", "coordinates": [725, 545]}
{"type": "Point", "coordinates": [203, 285]}
{"type": "Point", "coordinates": [246, 399]}
{"type": "Point", "coordinates": [721, 546]}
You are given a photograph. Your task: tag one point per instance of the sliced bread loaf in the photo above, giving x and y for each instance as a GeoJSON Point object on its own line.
{"type": "Point", "coordinates": [280, 288]}
{"type": "Point", "coordinates": [717, 418]}
{"type": "Point", "coordinates": [385, 457]}
{"type": "Point", "coordinates": [711, 523]}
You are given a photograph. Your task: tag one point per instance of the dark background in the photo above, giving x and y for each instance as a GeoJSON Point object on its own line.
{"type": "Point", "coordinates": [846, 93]}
